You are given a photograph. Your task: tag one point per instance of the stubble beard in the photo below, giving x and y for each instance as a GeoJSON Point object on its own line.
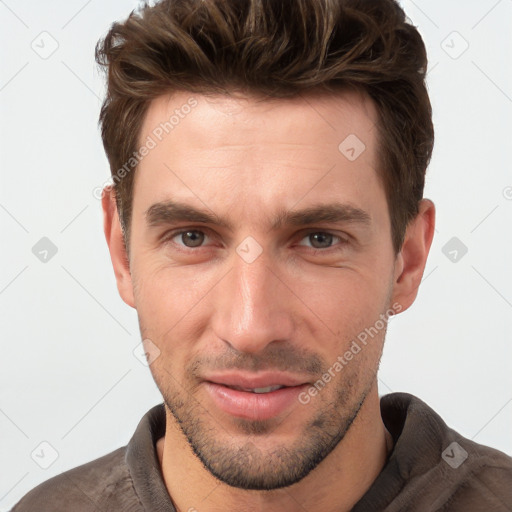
{"type": "Point", "coordinates": [247, 466]}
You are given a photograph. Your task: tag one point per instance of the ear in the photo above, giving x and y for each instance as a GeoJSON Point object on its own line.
{"type": "Point", "coordinates": [116, 246]}
{"type": "Point", "coordinates": [412, 258]}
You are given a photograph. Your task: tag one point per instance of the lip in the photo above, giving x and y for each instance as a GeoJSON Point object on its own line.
{"type": "Point", "coordinates": [254, 406]}
{"type": "Point", "coordinates": [261, 380]}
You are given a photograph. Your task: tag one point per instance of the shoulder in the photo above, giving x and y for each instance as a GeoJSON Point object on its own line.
{"type": "Point", "coordinates": [102, 484]}
{"type": "Point", "coordinates": [435, 467]}
{"type": "Point", "coordinates": [480, 475]}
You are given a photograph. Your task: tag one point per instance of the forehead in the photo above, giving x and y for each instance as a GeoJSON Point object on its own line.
{"type": "Point", "coordinates": [215, 149]}
{"type": "Point", "coordinates": [304, 120]}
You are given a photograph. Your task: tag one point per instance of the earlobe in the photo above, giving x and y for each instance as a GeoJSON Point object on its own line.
{"type": "Point", "coordinates": [411, 261]}
{"type": "Point", "coordinates": [116, 246]}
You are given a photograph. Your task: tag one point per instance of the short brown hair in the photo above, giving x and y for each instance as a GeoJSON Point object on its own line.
{"type": "Point", "coordinates": [275, 48]}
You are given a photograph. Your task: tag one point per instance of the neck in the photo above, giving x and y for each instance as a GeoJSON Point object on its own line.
{"type": "Point", "coordinates": [336, 484]}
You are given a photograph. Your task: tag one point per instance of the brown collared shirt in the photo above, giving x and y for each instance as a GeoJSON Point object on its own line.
{"type": "Point", "coordinates": [431, 468]}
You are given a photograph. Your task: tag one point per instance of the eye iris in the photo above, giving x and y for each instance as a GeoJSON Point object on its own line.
{"type": "Point", "coordinates": [196, 238]}
{"type": "Point", "coordinates": [324, 239]}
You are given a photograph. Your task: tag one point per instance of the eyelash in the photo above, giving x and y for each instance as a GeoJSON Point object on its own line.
{"type": "Point", "coordinates": [342, 241]}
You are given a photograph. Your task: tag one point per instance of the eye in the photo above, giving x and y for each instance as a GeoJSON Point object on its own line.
{"type": "Point", "coordinates": [189, 238]}
{"type": "Point", "coordinates": [322, 240]}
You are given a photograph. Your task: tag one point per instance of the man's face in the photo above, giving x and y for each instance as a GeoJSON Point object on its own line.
{"type": "Point", "coordinates": [290, 262]}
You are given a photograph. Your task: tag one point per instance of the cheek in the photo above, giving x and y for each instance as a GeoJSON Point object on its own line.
{"type": "Point", "coordinates": [351, 308]}
{"type": "Point", "coordinates": [329, 306]}
{"type": "Point", "coordinates": [345, 300]}
{"type": "Point", "coordinates": [169, 302]}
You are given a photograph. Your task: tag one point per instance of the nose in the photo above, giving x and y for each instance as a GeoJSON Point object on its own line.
{"type": "Point", "coordinates": [253, 306]}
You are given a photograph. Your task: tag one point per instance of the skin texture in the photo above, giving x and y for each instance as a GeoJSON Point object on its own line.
{"type": "Point", "coordinates": [295, 308]}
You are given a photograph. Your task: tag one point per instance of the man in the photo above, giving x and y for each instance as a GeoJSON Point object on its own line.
{"type": "Point", "coordinates": [266, 220]}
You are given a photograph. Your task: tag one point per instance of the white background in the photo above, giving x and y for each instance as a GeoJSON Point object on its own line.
{"type": "Point", "coordinates": [68, 375]}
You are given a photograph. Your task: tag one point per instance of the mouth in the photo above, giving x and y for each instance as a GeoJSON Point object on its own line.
{"type": "Point", "coordinates": [254, 398]}
{"type": "Point", "coordinates": [267, 389]}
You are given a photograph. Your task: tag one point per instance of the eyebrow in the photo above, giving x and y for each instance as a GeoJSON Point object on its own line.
{"type": "Point", "coordinates": [169, 212]}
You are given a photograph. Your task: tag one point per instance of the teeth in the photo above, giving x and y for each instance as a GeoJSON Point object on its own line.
{"type": "Point", "coordinates": [268, 389]}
